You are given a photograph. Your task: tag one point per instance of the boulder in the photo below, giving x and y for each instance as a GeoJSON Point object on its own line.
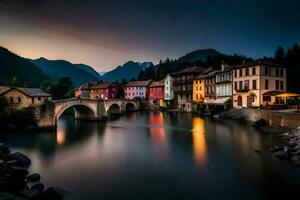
{"type": "Point", "coordinates": [281, 154]}
{"type": "Point", "coordinates": [296, 161]}
{"type": "Point", "coordinates": [34, 178]}
{"type": "Point", "coordinates": [30, 193]}
{"type": "Point", "coordinates": [258, 151]}
{"type": "Point", "coordinates": [7, 196]}
{"type": "Point", "coordinates": [38, 186]}
{"type": "Point", "coordinates": [22, 160]}
{"type": "Point", "coordinates": [4, 148]}
{"type": "Point", "coordinates": [294, 153]}
{"type": "Point", "coordinates": [275, 149]}
{"type": "Point", "coordinates": [54, 193]}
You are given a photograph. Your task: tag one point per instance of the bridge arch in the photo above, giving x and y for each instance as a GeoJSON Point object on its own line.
{"type": "Point", "coordinates": [82, 111]}
{"type": "Point", "coordinates": [130, 106]}
{"type": "Point", "coordinates": [114, 109]}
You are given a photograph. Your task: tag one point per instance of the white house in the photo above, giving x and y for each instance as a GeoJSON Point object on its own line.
{"type": "Point", "coordinates": [169, 91]}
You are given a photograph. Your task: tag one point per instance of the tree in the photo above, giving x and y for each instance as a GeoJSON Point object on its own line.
{"type": "Point", "coordinates": [46, 85]}
{"type": "Point", "coordinates": [279, 54]}
{"type": "Point", "coordinates": [63, 89]}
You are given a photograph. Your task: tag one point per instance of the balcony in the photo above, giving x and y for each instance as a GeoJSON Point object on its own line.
{"type": "Point", "coordinates": [242, 90]}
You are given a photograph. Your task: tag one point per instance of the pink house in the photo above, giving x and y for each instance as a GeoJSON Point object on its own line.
{"type": "Point", "coordinates": [137, 90]}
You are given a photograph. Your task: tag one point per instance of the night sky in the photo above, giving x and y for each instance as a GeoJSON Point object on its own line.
{"type": "Point", "coordinates": [107, 33]}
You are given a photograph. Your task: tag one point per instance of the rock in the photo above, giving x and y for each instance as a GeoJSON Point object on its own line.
{"type": "Point", "coordinates": [296, 161]}
{"type": "Point", "coordinates": [275, 149]}
{"type": "Point", "coordinates": [4, 148]}
{"type": "Point", "coordinates": [294, 153]}
{"type": "Point", "coordinates": [18, 171]}
{"type": "Point", "coordinates": [34, 178]}
{"type": "Point", "coordinates": [296, 148]}
{"type": "Point", "coordinates": [54, 193]}
{"type": "Point", "coordinates": [258, 151]}
{"type": "Point", "coordinates": [281, 154]}
{"type": "Point", "coordinates": [3, 169]}
{"type": "Point", "coordinates": [7, 196]}
{"type": "Point", "coordinates": [38, 186]}
{"type": "Point", "coordinates": [30, 193]}
{"type": "Point", "coordinates": [22, 160]}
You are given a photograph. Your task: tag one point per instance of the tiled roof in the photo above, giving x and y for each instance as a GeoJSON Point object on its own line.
{"type": "Point", "coordinates": [157, 84]}
{"type": "Point", "coordinates": [210, 74]}
{"type": "Point", "coordinates": [32, 92]}
{"type": "Point", "coordinates": [138, 83]}
{"type": "Point", "coordinates": [3, 89]}
{"type": "Point", "coordinates": [260, 62]}
{"type": "Point", "coordinates": [100, 85]}
{"type": "Point", "coordinates": [194, 69]}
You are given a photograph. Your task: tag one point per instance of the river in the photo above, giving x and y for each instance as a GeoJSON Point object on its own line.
{"type": "Point", "coordinates": [155, 155]}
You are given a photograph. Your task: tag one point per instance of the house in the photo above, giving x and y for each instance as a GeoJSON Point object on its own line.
{"type": "Point", "coordinates": [18, 97]}
{"type": "Point", "coordinates": [198, 89]}
{"type": "Point", "coordinates": [252, 82]}
{"type": "Point", "coordinates": [168, 90]}
{"type": "Point", "coordinates": [137, 90]}
{"type": "Point", "coordinates": [224, 82]}
{"type": "Point", "coordinates": [156, 92]}
{"type": "Point", "coordinates": [104, 90]}
{"type": "Point", "coordinates": [183, 86]}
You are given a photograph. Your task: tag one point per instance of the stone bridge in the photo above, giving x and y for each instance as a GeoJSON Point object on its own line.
{"type": "Point", "coordinates": [85, 109]}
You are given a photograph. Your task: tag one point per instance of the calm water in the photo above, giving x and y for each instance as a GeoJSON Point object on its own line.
{"type": "Point", "coordinates": [157, 156]}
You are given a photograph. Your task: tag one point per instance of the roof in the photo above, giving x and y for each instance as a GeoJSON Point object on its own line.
{"type": "Point", "coordinates": [138, 83]}
{"type": "Point", "coordinates": [210, 74]}
{"type": "Point", "coordinates": [194, 69]}
{"type": "Point", "coordinates": [157, 84]}
{"type": "Point", "coordinates": [3, 89]}
{"type": "Point", "coordinates": [260, 62]}
{"type": "Point", "coordinates": [31, 92]}
{"type": "Point", "coordinates": [100, 85]}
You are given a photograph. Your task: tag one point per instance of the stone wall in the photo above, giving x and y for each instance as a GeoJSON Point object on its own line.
{"type": "Point", "coordinates": [274, 118]}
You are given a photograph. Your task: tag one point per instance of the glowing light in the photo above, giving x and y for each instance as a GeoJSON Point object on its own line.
{"type": "Point", "coordinates": [199, 142]}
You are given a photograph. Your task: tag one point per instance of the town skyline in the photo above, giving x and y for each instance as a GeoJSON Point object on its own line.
{"type": "Point", "coordinates": [105, 35]}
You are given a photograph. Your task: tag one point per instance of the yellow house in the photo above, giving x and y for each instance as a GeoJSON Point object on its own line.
{"type": "Point", "coordinates": [198, 89]}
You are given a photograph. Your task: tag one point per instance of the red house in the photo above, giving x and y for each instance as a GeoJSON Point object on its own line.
{"type": "Point", "coordinates": [156, 92]}
{"type": "Point", "coordinates": [105, 91]}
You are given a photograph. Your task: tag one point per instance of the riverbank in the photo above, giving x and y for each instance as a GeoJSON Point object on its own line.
{"type": "Point", "coordinates": [17, 183]}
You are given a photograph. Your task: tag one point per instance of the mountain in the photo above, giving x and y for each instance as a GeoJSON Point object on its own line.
{"type": "Point", "coordinates": [89, 69]}
{"type": "Point", "coordinates": [56, 69]}
{"type": "Point", "coordinates": [20, 69]}
{"type": "Point", "coordinates": [199, 55]}
{"type": "Point", "coordinates": [129, 70]}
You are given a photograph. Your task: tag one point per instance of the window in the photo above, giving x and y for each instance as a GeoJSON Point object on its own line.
{"type": "Point", "coordinates": [19, 99]}
{"type": "Point", "coordinates": [277, 71]}
{"type": "Point", "coordinates": [266, 71]}
{"type": "Point", "coordinates": [246, 84]}
{"type": "Point", "coordinates": [266, 98]}
{"type": "Point", "coordinates": [253, 71]}
{"type": "Point", "coordinates": [247, 71]}
{"type": "Point", "coordinates": [39, 98]}
{"type": "Point", "coordinates": [235, 73]}
{"type": "Point", "coordinates": [241, 85]}
{"type": "Point", "coordinates": [11, 99]}
{"type": "Point", "coordinates": [235, 85]}
{"type": "Point", "coordinates": [254, 84]}
{"type": "Point", "coordinates": [281, 85]}
{"type": "Point", "coordinates": [266, 84]}
{"type": "Point", "coordinates": [241, 73]}
{"type": "Point", "coordinates": [277, 84]}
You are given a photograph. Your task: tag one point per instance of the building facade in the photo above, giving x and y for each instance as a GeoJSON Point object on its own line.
{"type": "Point", "coordinates": [137, 90]}
{"type": "Point", "coordinates": [168, 90]}
{"type": "Point", "coordinates": [224, 82]}
{"type": "Point", "coordinates": [105, 91]}
{"type": "Point", "coordinates": [156, 93]}
{"type": "Point", "coordinates": [210, 86]}
{"type": "Point", "coordinates": [252, 80]}
{"type": "Point", "coordinates": [183, 87]}
{"type": "Point", "coordinates": [19, 98]}
{"type": "Point", "coordinates": [198, 89]}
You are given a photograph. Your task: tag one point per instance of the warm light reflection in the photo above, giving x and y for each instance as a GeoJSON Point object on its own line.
{"type": "Point", "coordinates": [157, 131]}
{"type": "Point", "coordinates": [60, 137]}
{"type": "Point", "coordinates": [199, 143]}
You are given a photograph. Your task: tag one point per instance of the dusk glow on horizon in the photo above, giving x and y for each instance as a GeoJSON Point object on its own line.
{"type": "Point", "coordinates": [105, 34]}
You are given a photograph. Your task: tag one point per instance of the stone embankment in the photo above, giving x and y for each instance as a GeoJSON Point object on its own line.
{"type": "Point", "coordinates": [291, 148]}
{"type": "Point", "coordinates": [17, 184]}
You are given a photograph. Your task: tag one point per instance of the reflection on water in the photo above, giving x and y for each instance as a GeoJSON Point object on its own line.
{"type": "Point", "coordinates": [157, 156]}
{"type": "Point", "coordinates": [156, 127]}
{"type": "Point", "coordinates": [199, 143]}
